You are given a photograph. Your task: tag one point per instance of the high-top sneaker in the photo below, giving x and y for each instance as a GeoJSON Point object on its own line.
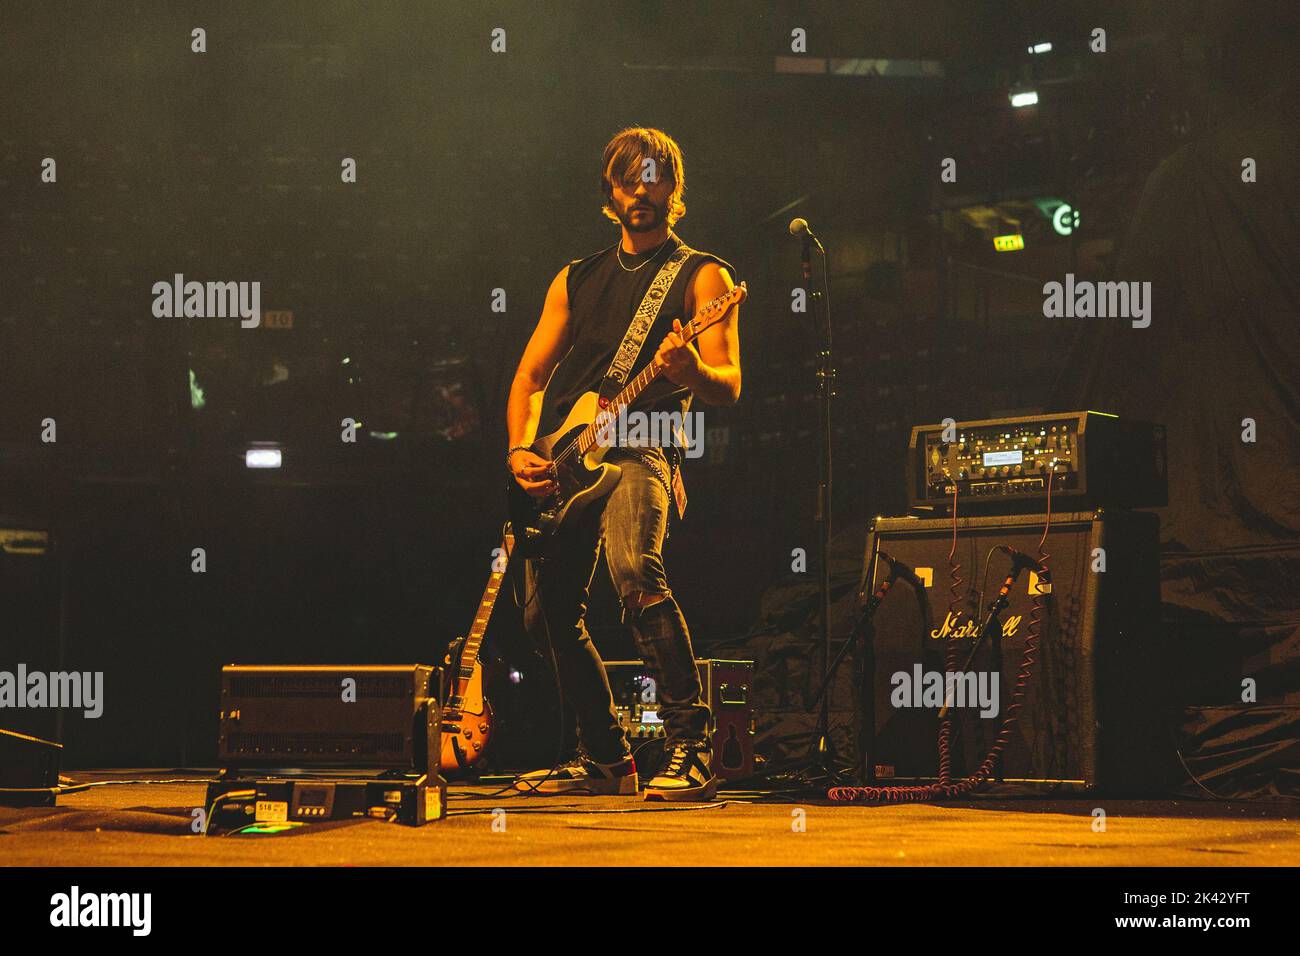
{"type": "Point", "coordinates": [685, 775]}
{"type": "Point", "coordinates": [582, 775]}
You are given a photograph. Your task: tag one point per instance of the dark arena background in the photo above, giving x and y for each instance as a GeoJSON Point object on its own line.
{"type": "Point", "coordinates": [402, 181]}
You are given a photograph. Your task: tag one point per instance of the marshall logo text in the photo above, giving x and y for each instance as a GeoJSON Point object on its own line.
{"type": "Point", "coordinates": [951, 628]}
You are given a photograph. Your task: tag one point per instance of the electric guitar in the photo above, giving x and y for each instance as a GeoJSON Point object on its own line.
{"type": "Point", "coordinates": [467, 715]}
{"type": "Point", "coordinates": [577, 448]}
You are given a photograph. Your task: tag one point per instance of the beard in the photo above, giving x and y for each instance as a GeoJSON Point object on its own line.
{"type": "Point", "coordinates": [653, 217]}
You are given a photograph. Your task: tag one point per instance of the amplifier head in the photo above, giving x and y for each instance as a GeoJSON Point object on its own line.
{"type": "Point", "coordinates": [1004, 465]}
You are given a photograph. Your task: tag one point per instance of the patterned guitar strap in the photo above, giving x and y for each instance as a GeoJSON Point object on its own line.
{"type": "Point", "coordinates": [625, 358]}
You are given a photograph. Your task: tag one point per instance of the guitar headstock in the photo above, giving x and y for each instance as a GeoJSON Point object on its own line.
{"type": "Point", "coordinates": [715, 310]}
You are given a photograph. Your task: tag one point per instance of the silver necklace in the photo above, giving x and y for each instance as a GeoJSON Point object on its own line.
{"type": "Point", "coordinates": [618, 254]}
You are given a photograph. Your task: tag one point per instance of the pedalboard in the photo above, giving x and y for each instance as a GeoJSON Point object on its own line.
{"type": "Point", "coordinates": [284, 800]}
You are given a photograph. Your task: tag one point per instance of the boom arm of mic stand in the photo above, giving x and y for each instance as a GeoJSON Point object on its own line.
{"type": "Point", "coordinates": [995, 608]}
{"type": "Point", "coordinates": [867, 615]}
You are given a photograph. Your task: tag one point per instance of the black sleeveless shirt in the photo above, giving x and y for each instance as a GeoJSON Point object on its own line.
{"type": "Point", "coordinates": [603, 297]}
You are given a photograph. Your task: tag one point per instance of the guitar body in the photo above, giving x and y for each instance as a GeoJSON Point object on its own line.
{"type": "Point", "coordinates": [577, 451]}
{"type": "Point", "coordinates": [466, 713]}
{"type": "Point", "coordinates": [464, 748]}
{"type": "Point", "coordinates": [582, 480]}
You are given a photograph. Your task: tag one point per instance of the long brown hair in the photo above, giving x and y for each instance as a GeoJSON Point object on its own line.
{"type": "Point", "coordinates": [630, 148]}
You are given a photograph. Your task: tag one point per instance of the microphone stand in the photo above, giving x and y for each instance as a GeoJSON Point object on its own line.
{"type": "Point", "coordinates": [824, 763]}
{"type": "Point", "coordinates": [866, 614]}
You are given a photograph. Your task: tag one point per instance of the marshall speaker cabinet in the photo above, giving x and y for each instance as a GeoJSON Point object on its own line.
{"type": "Point", "coordinates": [1092, 717]}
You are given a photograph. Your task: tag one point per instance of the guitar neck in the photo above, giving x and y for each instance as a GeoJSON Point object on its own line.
{"type": "Point", "coordinates": [712, 313]}
{"type": "Point", "coordinates": [469, 652]}
{"type": "Point", "coordinates": [630, 393]}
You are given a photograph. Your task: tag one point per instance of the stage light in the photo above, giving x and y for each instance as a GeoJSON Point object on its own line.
{"type": "Point", "coordinates": [1012, 243]}
{"type": "Point", "coordinates": [1025, 98]}
{"type": "Point", "coordinates": [516, 676]}
{"type": "Point", "coordinates": [1040, 48]}
{"type": "Point", "coordinates": [1065, 219]}
{"type": "Point", "coordinates": [197, 399]}
{"type": "Point", "coordinates": [262, 456]}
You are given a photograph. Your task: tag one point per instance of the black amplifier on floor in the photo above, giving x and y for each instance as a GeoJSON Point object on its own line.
{"type": "Point", "coordinates": [726, 686]}
{"type": "Point", "coordinates": [1093, 715]}
{"type": "Point", "coordinates": [360, 717]}
{"type": "Point", "coordinates": [31, 632]}
{"type": "Point", "coordinates": [28, 763]}
{"type": "Point", "coordinates": [1003, 465]}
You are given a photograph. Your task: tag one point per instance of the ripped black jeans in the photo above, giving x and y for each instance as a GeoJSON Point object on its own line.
{"type": "Point", "coordinates": [632, 522]}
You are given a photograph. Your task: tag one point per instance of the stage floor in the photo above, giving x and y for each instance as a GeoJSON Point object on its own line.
{"type": "Point", "coordinates": [150, 825]}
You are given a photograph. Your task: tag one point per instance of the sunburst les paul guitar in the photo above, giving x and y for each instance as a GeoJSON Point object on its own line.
{"type": "Point", "coordinates": [467, 716]}
{"type": "Point", "coordinates": [577, 448]}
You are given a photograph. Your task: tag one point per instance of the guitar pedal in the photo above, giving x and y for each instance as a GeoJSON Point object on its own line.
{"type": "Point", "coordinates": [726, 689]}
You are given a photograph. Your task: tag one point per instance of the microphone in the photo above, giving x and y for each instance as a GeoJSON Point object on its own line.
{"type": "Point", "coordinates": [900, 570]}
{"type": "Point", "coordinates": [1021, 560]}
{"type": "Point", "coordinates": [897, 570]}
{"type": "Point", "coordinates": [799, 229]}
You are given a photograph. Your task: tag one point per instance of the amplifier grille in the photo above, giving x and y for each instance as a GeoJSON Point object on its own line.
{"type": "Point", "coordinates": [369, 686]}
{"type": "Point", "coordinates": [314, 745]}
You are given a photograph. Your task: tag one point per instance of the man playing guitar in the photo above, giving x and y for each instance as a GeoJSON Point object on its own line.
{"type": "Point", "coordinates": [587, 313]}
